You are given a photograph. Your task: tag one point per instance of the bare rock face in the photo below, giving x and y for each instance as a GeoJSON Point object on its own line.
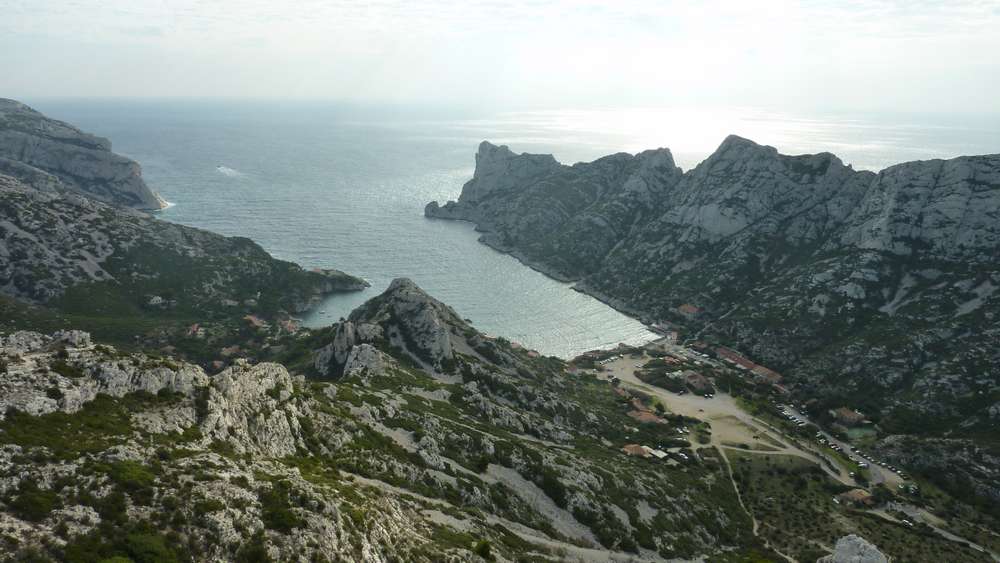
{"type": "Point", "coordinates": [946, 208]}
{"type": "Point", "coordinates": [365, 359]}
{"type": "Point", "coordinates": [854, 549]}
{"type": "Point", "coordinates": [37, 383]}
{"type": "Point", "coordinates": [330, 359]}
{"type": "Point", "coordinates": [46, 148]}
{"type": "Point", "coordinates": [250, 407]}
{"type": "Point", "coordinates": [498, 169]}
{"type": "Point", "coordinates": [405, 317]}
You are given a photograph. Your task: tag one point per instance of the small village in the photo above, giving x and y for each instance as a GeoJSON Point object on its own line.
{"type": "Point", "coordinates": [713, 398]}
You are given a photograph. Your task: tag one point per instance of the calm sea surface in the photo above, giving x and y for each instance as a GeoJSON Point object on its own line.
{"type": "Point", "coordinates": [344, 186]}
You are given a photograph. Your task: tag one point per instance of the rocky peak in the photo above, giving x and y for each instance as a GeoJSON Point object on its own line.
{"type": "Point", "coordinates": [82, 162]}
{"type": "Point", "coordinates": [744, 185]}
{"type": "Point", "coordinates": [499, 169]}
{"type": "Point", "coordinates": [854, 549]}
{"type": "Point", "coordinates": [424, 325]}
{"type": "Point", "coordinates": [404, 316]}
{"type": "Point", "coordinates": [736, 151]}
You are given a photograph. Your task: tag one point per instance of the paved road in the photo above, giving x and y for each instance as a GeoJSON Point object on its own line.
{"type": "Point", "coordinates": [879, 473]}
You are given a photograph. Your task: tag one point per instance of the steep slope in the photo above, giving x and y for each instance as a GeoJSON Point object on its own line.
{"type": "Point", "coordinates": [507, 457]}
{"type": "Point", "coordinates": [55, 156]}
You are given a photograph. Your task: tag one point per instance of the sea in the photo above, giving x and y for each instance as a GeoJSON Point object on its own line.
{"type": "Point", "coordinates": [334, 185]}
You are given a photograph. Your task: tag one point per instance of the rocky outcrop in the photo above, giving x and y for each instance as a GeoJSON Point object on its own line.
{"type": "Point", "coordinates": [499, 170]}
{"type": "Point", "coordinates": [331, 358]}
{"type": "Point", "coordinates": [249, 407]}
{"type": "Point", "coordinates": [408, 318]}
{"type": "Point", "coordinates": [854, 549]}
{"type": "Point", "coordinates": [39, 151]}
{"type": "Point", "coordinates": [75, 373]}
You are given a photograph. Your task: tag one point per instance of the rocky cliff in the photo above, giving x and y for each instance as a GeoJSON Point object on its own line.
{"type": "Point", "coordinates": [843, 278]}
{"type": "Point", "coordinates": [55, 156]}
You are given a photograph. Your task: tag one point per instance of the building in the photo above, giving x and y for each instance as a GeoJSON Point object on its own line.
{"type": "Point", "coordinates": [688, 310]}
{"type": "Point", "coordinates": [635, 450]}
{"type": "Point", "coordinates": [857, 497]}
{"type": "Point", "coordinates": [256, 321]}
{"type": "Point", "coordinates": [766, 375]}
{"type": "Point", "coordinates": [734, 357]}
{"type": "Point", "coordinates": [847, 417]}
{"type": "Point", "coordinates": [697, 381]}
{"type": "Point", "coordinates": [658, 454]}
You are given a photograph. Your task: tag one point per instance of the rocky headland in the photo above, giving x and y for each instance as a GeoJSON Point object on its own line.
{"type": "Point", "coordinates": [54, 156]}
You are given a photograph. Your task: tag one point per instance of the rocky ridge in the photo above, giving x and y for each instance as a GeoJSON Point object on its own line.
{"type": "Point", "coordinates": [54, 156]}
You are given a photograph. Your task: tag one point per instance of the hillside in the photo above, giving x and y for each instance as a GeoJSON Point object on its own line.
{"type": "Point", "coordinates": [499, 455]}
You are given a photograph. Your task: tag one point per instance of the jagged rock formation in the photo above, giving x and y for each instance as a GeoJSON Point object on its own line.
{"type": "Point", "coordinates": [51, 242]}
{"type": "Point", "coordinates": [54, 156]}
{"type": "Point", "coordinates": [854, 549]}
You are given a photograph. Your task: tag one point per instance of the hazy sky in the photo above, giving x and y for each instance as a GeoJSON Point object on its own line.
{"type": "Point", "coordinates": [851, 55]}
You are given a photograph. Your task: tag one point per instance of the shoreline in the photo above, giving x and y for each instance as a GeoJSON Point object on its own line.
{"type": "Point", "coordinates": [575, 283]}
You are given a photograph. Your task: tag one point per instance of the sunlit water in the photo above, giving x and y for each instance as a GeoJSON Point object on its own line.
{"type": "Point", "coordinates": [344, 187]}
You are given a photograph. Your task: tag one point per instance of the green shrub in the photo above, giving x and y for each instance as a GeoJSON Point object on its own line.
{"type": "Point", "coordinates": [132, 475]}
{"type": "Point", "coordinates": [254, 551]}
{"type": "Point", "coordinates": [483, 549]}
{"type": "Point", "coordinates": [203, 507]}
{"type": "Point", "coordinates": [66, 370]}
{"type": "Point", "coordinates": [148, 547]}
{"type": "Point", "coordinates": [201, 403]}
{"type": "Point", "coordinates": [553, 487]}
{"type": "Point", "coordinates": [91, 429]}
{"type": "Point", "coordinates": [276, 508]}
{"type": "Point", "coordinates": [33, 504]}
{"type": "Point", "coordinates": [113, 507]}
